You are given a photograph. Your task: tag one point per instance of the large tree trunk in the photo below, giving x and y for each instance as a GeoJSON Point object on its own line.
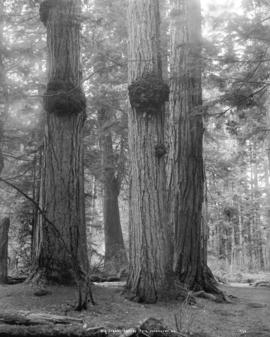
{"type": "Point", "coordinates": [4, 228]}
{"type": "Point", "coordinates": [61, 247]}
{"type": "Point", "coordinates": [186, 178]}
{"type": "Point", "coordinates": [115, 253]}
{"type": "Point", "coordinates": [150, 260]}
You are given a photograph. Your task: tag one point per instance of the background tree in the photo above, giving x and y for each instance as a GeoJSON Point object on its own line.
{"type": "Point", "coordinates": [3, 88]}
{"type": "Point", "coordinates": [235, 136]}
{"type": "Point", "coordinates": [109, 109]}
{"type": "Point", "coordinates": [115, 254]}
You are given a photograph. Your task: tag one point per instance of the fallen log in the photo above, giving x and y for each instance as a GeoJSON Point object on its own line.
{"type": "Point", "coordinates": [49, 330]}
{"type": "Point", "coordinates": [151, 327]}
{"type": "Point", "coordinates": [262, 284]}
{"type": "Point", "coordinates": [28, 318]}
{"type": "Point", "coordinates": [16, 280]}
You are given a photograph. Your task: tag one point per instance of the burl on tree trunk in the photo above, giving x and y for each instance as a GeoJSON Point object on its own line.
{"type": "Point", "coordinates": [4, 228]}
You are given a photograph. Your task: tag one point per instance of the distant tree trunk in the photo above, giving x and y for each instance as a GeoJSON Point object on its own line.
{"type": "Point", "coordinates": [4, 228]}
{"type": "Point", "coordinates": [62, 248]}
{"type": "Point", "coordinates": [37, 164]}
{"type": "Point", "coordinates": [267, 171]}
{"type": "Point", "coordinates": [4, 225]}
{"type": "Point", "coordinates": [241, 241]}
{"type": "Point", "coordinates": [150, 261]}
{"type": "Point", "coordinates": [257, 221]}
{"type": "Point", "coordinates": [204, 223]}
{"type": "Point", "coordinates": [3, 87]}
{"type": "Point", "coordinates": [267, 216]}
{"type": "Point", "coordinates": [115, 253]}
{"type": "Point", "coordinates": [251, 222]}
{"type": "Point", "coordinates": [186, 180]}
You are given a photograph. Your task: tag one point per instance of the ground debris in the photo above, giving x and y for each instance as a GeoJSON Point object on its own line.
{"type": "Point", "coordinates": [261, 333]}
{"type": "Point", "coordinates": [58, 330]}
{"type": "Point", "coordinates": [28, 318]}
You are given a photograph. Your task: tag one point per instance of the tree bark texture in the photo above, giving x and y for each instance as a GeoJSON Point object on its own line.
{"type": "Point", "coordinates": [115, 253]}
{"type": "Point", "coordinates": [149, 269]}
{"type": "Point", "coordinates": [61, 247]}
{"type": "Point", "coordinates": [185, 163]}
{"type": "Point", "coordinates": [4, 228]}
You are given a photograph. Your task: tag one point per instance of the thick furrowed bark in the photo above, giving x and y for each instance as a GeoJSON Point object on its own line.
{"type": "Point", "coordinates": [61, 248]}
{"type": "Point", "coordinates": [4, 228]}
{"type": "Point", "coordinates": [150, 267]}
{"type": "Point", "coordinates": [185, 162]}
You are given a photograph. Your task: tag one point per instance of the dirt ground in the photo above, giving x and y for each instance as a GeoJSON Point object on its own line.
{"type": "Point", "coordinates": [248, 316]}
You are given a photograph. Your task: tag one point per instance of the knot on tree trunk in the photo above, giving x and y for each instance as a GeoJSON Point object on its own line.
{"type": "Point", "coordinates": [63, 98]}
{"type": "Point", "coordinates": [68, 18]}
{"type": "Point", "coordinates": [44, 9]}
{"type": "Point", "coordinates": [148, 93]}
{"type": "Point", "coordinates": [160, 150]}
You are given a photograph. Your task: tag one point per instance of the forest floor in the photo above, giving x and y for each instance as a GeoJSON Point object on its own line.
{"type": "Point", "coordinates": [248, 316]}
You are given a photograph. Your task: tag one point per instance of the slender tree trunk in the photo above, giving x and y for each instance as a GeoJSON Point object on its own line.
{"type": "Point", "coordinates": [186, 176]}
{"type": "Point", "coordinates": [267, 184]}
{"type": "Point", "coordinates": [4, 228]}
{"type": "Point", "coordinates": [4, 225]}
{"type": "Point", "coordinates": [205, 227]}
{"type": "Point", "coordinates": [241, 241]}
{"type": "Point", "coordinates": [252, 216]}
{"type": "Point", "coordinates": [267, 215]}
{"type": "Point", "coordinates": [3, 87]}
{"type": "Point", "coordinates": [115, 253]}
{"type": "Point", "coordinates": [61, 246]}
{"type": "Point", "coordinates": [36, 197]}
{"type": "Point", "coordinates": [258, 232]}
{"type": "Point", "coordinates": [150, 262]}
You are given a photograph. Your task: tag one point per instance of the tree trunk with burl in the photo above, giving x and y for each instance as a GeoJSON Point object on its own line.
{"type": "Point", "coordinates": [185, 162]}
{"type": "Point", "coordinates": [115, 254]}
{"type": "Point", "coordinates": [149, 252]}
{"type": "Point", "coordinates": [61, 248]}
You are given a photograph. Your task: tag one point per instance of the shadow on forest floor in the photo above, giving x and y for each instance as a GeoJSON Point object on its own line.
{"type": "Point", "coordinates": [248, 317]}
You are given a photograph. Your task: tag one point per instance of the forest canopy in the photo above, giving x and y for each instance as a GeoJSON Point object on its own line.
{"type": "Point", "coordinates": [135, 144]}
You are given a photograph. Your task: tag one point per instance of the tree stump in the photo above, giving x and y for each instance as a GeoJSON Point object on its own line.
{"type": "Point", "coordinates": [4, 228]}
